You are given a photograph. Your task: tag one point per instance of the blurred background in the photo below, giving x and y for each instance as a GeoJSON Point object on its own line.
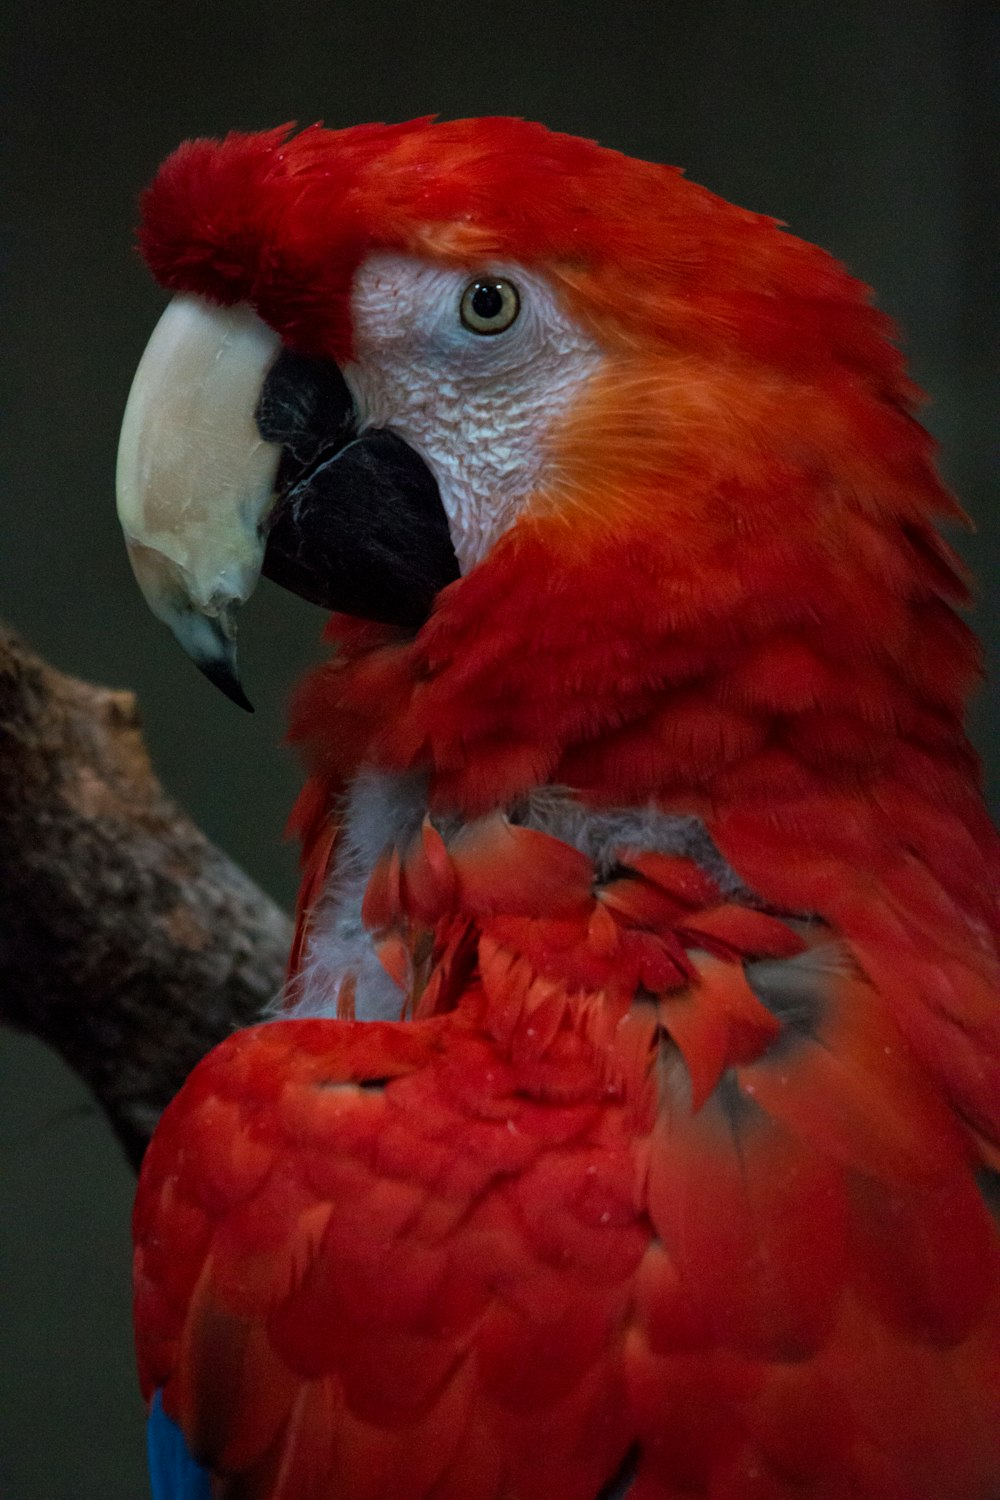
{"type": "Point", "coordinates": [864, 124]}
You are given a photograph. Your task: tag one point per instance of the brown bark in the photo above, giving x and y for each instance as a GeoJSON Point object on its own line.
{"type": "Point", "coordinates": [127, 941]}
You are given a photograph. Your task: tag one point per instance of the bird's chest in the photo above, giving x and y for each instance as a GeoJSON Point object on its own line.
{"type": "Point", "coordinates": [406, 892]}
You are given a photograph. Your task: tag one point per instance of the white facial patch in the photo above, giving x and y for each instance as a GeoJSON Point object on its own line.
{"type": "Point", "coordinates": [477, 407]}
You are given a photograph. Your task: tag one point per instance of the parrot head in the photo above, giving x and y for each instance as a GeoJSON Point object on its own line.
{"type": "Point", "coordinates": [575, 431]}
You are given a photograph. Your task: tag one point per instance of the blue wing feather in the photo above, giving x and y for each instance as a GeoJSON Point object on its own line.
{"type": "Point", "coordinates": [175, 1475]}
{"type": "Point", "coordinates": [619, 1486]}
{"type": "Point", "coordinates": [173, 1472]}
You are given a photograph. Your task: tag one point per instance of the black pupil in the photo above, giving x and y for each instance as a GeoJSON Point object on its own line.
{"type": "Point", "coordinates": [487, 301]}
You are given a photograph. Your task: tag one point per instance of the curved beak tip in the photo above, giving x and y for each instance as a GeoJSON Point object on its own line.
{"type": "Point", "coordinates": [210, 642]}
{"type": "Point", "coordinates": [207, 634]}
{"type": "Point", "coordinates": [224, 677]}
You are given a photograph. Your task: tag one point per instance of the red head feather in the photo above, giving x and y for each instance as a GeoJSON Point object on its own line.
{"type": "Point", "coordinates": [282, 220]}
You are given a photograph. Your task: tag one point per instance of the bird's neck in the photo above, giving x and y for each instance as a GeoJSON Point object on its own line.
{"type": "Point", "coordinates": [797, 766]}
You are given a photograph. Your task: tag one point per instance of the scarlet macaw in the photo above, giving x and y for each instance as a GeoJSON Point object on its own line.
{"type": "Point", "coordinates": [630, 1123]}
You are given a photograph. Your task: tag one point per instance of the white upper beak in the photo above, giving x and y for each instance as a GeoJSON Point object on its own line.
{"type": "Point", "coordinates": [195, 478]}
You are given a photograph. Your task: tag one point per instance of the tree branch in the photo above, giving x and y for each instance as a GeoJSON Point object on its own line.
{"type": "Point", "coordinates": [127, 941]}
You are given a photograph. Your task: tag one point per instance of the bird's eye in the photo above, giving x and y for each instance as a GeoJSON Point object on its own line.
{"type": "Point", "coordinates": [490, 305]}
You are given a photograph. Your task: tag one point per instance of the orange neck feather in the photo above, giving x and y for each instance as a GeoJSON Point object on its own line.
{"type": "Point", "coordinates": [737, 594]}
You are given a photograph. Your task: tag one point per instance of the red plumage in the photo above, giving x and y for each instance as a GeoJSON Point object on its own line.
{"type": "Point", "coordinates": [612, 1183]}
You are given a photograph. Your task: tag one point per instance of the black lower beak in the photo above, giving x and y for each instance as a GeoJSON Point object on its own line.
{"type": "Point", "coordinates": [358, 525]}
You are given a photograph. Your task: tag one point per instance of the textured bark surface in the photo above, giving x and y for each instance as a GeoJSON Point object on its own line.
{"type": "Point", "coordinates": [127, 941]}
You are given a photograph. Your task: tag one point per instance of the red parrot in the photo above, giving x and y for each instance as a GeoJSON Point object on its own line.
{"type": "Point", "coordinates": [630, 1124]}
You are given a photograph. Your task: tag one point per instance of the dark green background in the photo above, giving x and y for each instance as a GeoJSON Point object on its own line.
{"type": "Point", "coordinates": [863, 125]}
